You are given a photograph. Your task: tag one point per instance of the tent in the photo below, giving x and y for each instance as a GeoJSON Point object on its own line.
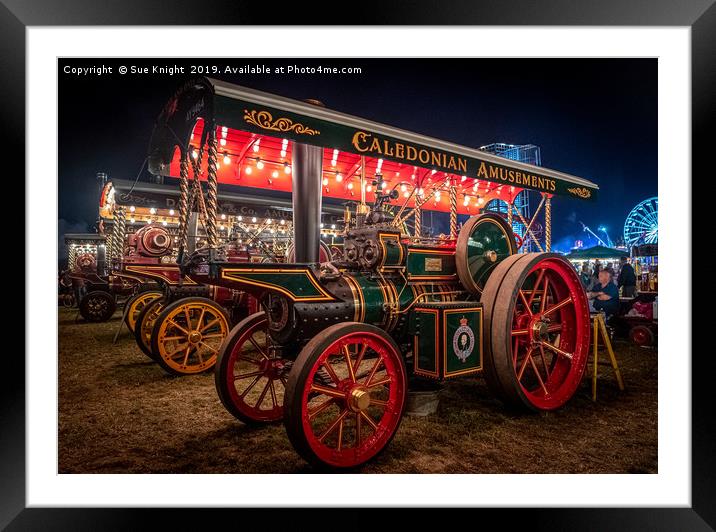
{"type": "Point", "coordinates": [597, 252]}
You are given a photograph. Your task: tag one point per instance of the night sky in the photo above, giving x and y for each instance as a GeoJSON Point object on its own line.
{"type": "Point", "coordinates": [595, 118]}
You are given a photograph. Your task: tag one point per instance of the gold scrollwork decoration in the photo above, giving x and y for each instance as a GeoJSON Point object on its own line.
{"type": "Point", "coordinates": [265, 120]}
{"type": "Point", "coordinates": [581, 192]}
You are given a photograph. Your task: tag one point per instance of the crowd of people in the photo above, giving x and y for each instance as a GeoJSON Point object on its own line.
{"type": "Point", "coordinates": [604, 282]}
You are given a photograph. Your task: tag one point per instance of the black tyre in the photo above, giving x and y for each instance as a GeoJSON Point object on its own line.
{"type": "Point", "coordinates": [641, 335]}
{"type": "Point", "coordinates": [97, 306]}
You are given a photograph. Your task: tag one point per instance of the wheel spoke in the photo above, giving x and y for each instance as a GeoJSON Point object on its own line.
{"type": "Point", "coordinates": [528, 356]}
{"type": "Point", "coordinates": [555, 327]}
{"type": "Point", "coordinates": [331, 371]}
{"type": "Point", "coordinates": [212, 322]}
{"type": "Point", "coordinates": [539, 377]}
{"type": "Point", "coordinates": [179, 351]}
{"type": "Point", "coordinates": [520, 332]}
{"type": "Point", "coordinates": [378, 402]}
{"type": "Point", "coordinates": [359, 428]}
{"type": "Point", "coordinates": [186, 356]}
{"type": "Point", "coordinates": [373, 370]}
{"type": "Point", "coordinates": [378, 383]}
{"type": "Point", "coordinates": [525, 303]}
{"type": "Point", "coordinates": [273, 394]}
{"type": "Point", "coordinates": [369, 420]}
{"type": "Point", "coordinates": [258, 347]}
{"type": "Point", "coordinates": [175, 324]}
{"type": "Point", "coordinates": [201, 317]}
{"type": "Point", "coordinates": [347, 354]}
{"type": "Point", "coordinates": [188, 318]}
{"type": "Point", "coordinates": [558, 306]}
{"type": "Point", "coordinates": [263, 395]}
{"type": "Point", "coordinates": [359, 359]}
{"type": "Point", "coordinates": [557, 350]}
{"type": "Point", "coordinates": [172, 338]}
{"type": "Point", "coordinates": [320, 408]}
{"type": "Point", "coordinates": [536, 286]}
{"type": "Point", "coordinates": [544, 294]}
{"type": "Point", "coordinates": [340, 434]}
{"type": "Point", "coordinates": [333, 425]}
{"type": "Point", "coordinates": [544, 361]}
{"type": "Point", "coordinates": [247, 375]}
{"type": "Point", "coordinates": [209, 347]}
{"type": "Point", "coordinates": [327, 390]}
{"type": "Point", "coordinates": [250, 386]}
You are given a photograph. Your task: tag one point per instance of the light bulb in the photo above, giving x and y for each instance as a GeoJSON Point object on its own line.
{"type": "Point", "coordinates": [287, 168]}
{"type": "Point", "coordinates": [350, 186]}
{"type": "Point", "coordinates": [339, 177]}
{"type": "Point", "coordinates": [223, 217]}
{"type": "Point", "coordinates": [153, 211]}
{"type": "Point", "coordinates": [403, 188]}
{"type": "Point", "coordinates": [325, 181]}
{"type": "Point", "coordinates": [195, 154]}
{"type": "Point", "coordinates": [227, 159]}
{"type": "Point", "coordinates": [253, 220]}
{"type": "Point", "coordinates": [222, 142]}
{"type": "Point", "coordinates": [259, 164]}
{"type": "Point", "coordinates": [241, 218]}
{"type": "Point", "coordinates": [274, 173]}
{"type": "Point", "coordinates": [171, 212]}
{"type": "Point", "coordinates": [283, 222]}
{"type": "Point", "coordinates": [248, 170]}
{"type": "Point", "coordinates": [132, 209]}
{"type": "Point", "coordinates": [383, 184]}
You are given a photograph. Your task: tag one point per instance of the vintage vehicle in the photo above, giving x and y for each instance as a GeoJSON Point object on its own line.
{"type": "Point", "coordinates": [168, 306]}
{"type": "Point", "coordinates": [338, 344]}
{"type": "Point", "coordinates": [94, 291]}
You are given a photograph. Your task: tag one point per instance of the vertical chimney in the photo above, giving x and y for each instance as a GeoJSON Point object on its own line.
{"type": "Point", "coordinates": [307, 176]}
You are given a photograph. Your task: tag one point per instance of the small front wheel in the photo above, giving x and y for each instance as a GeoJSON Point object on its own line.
{"type": "Point", "coordinates": [250, 378]}
{"type": "Point", "coordinates": [97, 306]}
{"type": "Point", "coordinates": [187, 335]}
{"type": "Point", "coordinates": [345, 396]}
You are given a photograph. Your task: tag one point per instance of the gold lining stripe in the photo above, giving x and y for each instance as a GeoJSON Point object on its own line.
{"type": "Point", "coordinates": [158, 272]}
{"type": "Point", "coordinates": [361, 306]}
{"type": "Point", "coordinates": [231, 274]}
{"type": "Point", "coordinates": [356, 299]}
{"type": "Point", "coordinates": [418, 370]}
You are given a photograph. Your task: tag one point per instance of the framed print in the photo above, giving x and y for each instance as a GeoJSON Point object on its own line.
{"type": "Point", "coordinates": [417, 267]}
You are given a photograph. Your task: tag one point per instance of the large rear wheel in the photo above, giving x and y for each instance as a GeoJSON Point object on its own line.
{"type": "Point", "coordinates": [345, 395]}
{"type": "Point", "coordinates": [537, 331]}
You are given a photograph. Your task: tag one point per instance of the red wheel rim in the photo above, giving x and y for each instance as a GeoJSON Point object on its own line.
{"type": "Point", "coordinates": [256, 380]}
{"type": "Point", "coordinates": [550, 334]}
{"type": "Point", "coordinates": [640, 336]}
{"type": "Point", "coordinates": [352, 400]}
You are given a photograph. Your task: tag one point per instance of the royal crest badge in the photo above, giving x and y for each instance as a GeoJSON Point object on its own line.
{"type": "Point", "coordinates": [463, 341]}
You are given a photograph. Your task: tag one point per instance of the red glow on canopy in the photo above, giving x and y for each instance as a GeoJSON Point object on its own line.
{"type": "Point", "coordinates": [264, 162]}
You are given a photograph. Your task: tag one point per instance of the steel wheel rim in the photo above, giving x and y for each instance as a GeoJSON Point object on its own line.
{"type": "Point", "coordinates": [147, 325]}
{"type": "Point", "coordinates": [328, 432]}
{"type": "Point", "coordinates": [261, 379]}
{"type": "Point", "coordinates": [550, 341]}
{"type": "Point", "coordinates": [137, 305]}
{"type": "Point", "coordinates": [190, 335]}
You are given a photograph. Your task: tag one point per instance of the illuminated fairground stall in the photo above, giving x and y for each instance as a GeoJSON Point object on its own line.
{"type": "Point", "coordinates": [337, 343]}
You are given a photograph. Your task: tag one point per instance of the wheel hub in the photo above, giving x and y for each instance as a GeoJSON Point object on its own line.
{"type": "Point", "coordinates": [539, 329]}
{"type": "Point", "coordinates": [358, 399]}
{"type": "Point", "coordinates": [194, 337]}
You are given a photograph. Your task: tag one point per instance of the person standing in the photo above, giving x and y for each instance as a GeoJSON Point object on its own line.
{"type": "Point", "coordinates": [627, 279]}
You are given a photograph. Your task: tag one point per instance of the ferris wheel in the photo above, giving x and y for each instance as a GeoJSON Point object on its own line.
{"type": "Point", "coordinates": [642, 224]}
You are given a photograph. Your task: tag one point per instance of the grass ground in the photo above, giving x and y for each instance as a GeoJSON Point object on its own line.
{"type": "Point", "coordinates": [120, 413]}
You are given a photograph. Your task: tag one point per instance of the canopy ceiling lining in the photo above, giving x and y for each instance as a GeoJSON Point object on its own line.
{"type": "Point", "coordinates": [257, 128]}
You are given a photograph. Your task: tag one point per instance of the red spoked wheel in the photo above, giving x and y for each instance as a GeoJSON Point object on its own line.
{"type": "Point", "coordinates": [345, 396]}
{"type": "Point", "coordinates": [250, 378]}
{"type": "Point", "coordinates": [537, 318]}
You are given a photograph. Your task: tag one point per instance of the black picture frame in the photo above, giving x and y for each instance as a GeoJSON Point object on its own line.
{"type": "Point", "coordinates": [699, 15]}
